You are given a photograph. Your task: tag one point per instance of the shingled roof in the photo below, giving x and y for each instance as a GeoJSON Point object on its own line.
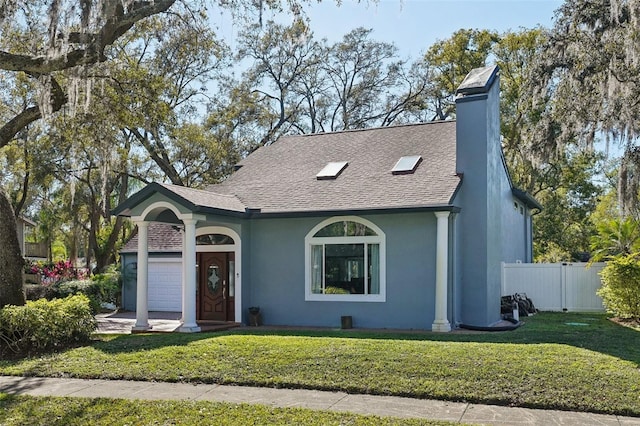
{"type": "Point", "coordinates": [281, 178]}
{"type": "Point", "coordinates": [162, 237]}
{"type": "Point", "coordinates": [210, 199]}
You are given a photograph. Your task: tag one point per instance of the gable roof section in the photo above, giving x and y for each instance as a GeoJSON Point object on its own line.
{"type": "Point", "coordinates": [196, 200]}
{"type": "Point", "coordinates": [207, 199]}
{"type": "Point", "coordinates": [281, 177]}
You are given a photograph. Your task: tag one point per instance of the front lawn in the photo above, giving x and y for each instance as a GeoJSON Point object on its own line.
{"type": "Point", "coordinates": [561, 361]}
{"type": "Point", "coordinates": [82, 411]}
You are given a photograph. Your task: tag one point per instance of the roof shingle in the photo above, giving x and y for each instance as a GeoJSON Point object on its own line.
{"type": "Point", "coordinates": [204, 198]}
{"type": "Point", "coordinates": [162, 237]}
{"type": "Point", "coordinates": [281, 178]}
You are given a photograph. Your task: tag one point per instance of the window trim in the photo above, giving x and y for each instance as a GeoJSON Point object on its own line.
{"type": "Point", "coordinates": [379, 239]}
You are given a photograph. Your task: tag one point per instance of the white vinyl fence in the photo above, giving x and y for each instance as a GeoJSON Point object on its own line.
{"type": "Point", "coordinates": [555, 286]}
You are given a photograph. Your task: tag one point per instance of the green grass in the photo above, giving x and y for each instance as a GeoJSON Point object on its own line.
{"type": "Point", "coordinates": [34, 411]}
{"type": "Point", "coordinates": [546, 363]}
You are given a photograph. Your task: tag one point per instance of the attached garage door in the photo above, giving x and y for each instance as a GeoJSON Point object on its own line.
{"type": "Point", "coordinates": [165, 285]}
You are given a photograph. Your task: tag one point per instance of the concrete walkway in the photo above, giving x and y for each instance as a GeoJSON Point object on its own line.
{"type": "Point", "coordinates": [121, 322]}
{"type": "Point", "coordinates": [160, 322]}
{"type": "Point", "coordinates": [316, 400]}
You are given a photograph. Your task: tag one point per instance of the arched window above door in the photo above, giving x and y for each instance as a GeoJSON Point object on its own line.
{"type": "Point", "coordinates": [214, 240]}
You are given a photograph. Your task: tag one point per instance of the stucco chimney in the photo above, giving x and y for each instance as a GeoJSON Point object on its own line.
{"type": "Point", "coordinates": [479, 229]}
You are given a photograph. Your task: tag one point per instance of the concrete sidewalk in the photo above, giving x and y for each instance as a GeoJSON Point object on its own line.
{"type": "Point", "coordinates": [316, 400]}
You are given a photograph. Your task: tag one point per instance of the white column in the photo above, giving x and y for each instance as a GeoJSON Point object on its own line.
{"type": "Point", "coordinates": [441, 323]}
{"type": "Point", "coordinates": [142, 289]}
{"type": "Point", "coordinates": [189, 324]}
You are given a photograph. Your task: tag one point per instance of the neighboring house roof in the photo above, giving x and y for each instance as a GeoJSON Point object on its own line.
{"type": "Point", "coordinates": [162, 237]}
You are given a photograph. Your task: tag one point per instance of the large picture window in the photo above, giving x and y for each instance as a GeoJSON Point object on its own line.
{"type": "Point", "coordinates": [345, 261]}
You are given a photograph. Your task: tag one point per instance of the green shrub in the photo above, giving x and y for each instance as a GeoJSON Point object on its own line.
{"type": "Point", "coordinates": [100, 289]}
{"type": "Point", "coordinates": [620, 289]}
{"type": "Point", "coordinates": [40, 291]}
{"type": "Point", "coordinates": [44, 325]}
{"type": "Point", "coordinates": [109, 285]}
{"type": "Point", "coordinates": [85, 287]}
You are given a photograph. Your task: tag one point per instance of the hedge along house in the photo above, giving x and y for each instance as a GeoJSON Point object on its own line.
{"type": "Point", "coordinates": [398, 227]}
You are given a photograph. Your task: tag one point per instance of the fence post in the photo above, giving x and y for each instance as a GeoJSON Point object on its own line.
{"type": "Point", "coordinates": [563, 287]}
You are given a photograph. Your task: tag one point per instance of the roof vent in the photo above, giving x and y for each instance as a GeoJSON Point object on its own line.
{"type": "Point", "coordinates": [332, 170]}
{"type": "Point", "coordinates": [406, 165]}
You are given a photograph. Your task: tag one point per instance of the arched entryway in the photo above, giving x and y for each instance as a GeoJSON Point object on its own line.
{"type": "Point", "coordinates": [219, 242]}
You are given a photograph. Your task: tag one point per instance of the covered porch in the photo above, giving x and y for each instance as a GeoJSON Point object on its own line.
{"type": "Point", "coordinates": [210, 257]}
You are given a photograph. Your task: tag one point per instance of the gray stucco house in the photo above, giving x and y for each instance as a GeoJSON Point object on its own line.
{"type": "Point", "coordinates": [398, 227]}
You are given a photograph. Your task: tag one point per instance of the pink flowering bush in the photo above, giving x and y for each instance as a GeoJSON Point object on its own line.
{"type": "Point", "coordinates": [61, 279]}
{"type": "Point", "coordinates": [54, 272]}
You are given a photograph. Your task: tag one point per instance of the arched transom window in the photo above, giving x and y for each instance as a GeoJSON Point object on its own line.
{"type": "Point", "coordinates": [213, 240]}
{"type": "Point", "coordinates": [345, 261]}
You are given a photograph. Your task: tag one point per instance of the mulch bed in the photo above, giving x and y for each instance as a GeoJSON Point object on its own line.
{"type": "Point", "coordinates": [627, 322]}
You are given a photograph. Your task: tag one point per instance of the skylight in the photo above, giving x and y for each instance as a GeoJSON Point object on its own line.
{"type": "Point", "coordinates": [332, 170]}
{"type": "Point", "coordinates": [406, 164]}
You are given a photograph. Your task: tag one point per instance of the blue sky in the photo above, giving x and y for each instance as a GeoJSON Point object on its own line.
{"type": "Point", "coordinates": [414, 25]}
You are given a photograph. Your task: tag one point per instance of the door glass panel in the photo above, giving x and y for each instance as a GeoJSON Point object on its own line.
{"type": "Point", "coordinates": [213, 278]}
{"type": "Point", "coordinates": [198, 278]}
{"type": "Point", "coordinates": [232, 278]}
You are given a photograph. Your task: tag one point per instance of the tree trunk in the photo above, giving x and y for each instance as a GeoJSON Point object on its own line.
{"type": "Point", "coordinates": [11, 260]}
{"type": "Point", "coordinates": [73, 245]}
